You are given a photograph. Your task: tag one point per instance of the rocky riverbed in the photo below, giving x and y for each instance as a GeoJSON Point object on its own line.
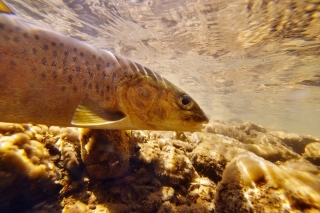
{"type": "Point", "coordinates": [227, 167]}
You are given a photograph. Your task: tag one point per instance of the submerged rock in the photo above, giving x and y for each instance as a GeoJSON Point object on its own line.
{"type": "Point", "coordinates": [312, 152]}
{"type": "Point", "coordinates": [208, 161]}
{"type": "Point", "coordinates": [252, 184]}
{"type": "Point", "coordinates": [105, 153]}
{"type": "Point", "coordinates": [27, 176]}
{"type": "Point", "coordinates": [295, 141]}
{"type": "Point", "coordinates": [226, 168]}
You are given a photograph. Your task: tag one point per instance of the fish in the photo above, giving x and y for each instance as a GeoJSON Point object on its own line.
{"type": "Point", "coordinates": [52, 79]}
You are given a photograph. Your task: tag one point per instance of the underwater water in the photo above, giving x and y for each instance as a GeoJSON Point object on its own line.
{"type": "Point", "coordinates": [252, 65]}
{"type": "Point", "coordinates": [247, 60]}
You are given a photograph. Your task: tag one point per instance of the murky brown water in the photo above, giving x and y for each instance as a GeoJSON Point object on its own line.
{"type": "Point", "coordinates": [255, 60]}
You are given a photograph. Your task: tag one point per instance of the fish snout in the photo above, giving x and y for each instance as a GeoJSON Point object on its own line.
{"type": "Point", "coordinates": [196, 119]}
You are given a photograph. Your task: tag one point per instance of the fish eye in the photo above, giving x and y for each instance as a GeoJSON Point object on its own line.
{"type": "Point", "coordinates": [185, 102]}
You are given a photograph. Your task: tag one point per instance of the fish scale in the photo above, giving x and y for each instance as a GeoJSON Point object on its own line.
{"type": "Point", "coordinates": [49, 69]}
{"type": "Point", "coordinates": [49, 78]}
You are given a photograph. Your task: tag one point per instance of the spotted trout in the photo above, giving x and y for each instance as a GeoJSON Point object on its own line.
{"type": "Point", "coordinates": [48, 78]}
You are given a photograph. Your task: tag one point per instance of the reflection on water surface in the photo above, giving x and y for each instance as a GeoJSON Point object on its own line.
{"type": "Point", "coordinates": [241, 59]}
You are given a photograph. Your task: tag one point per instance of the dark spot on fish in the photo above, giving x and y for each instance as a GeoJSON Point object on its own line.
{"type": "Point", "coordinates": [97, 87]}
{"type": "Point", "coordinates": [78, 69]}
{"type": "Point", "coordinates": [10, 31]}
{"type": "Point", "coordinates": [16, 39]}
{"type": "Point", "coordinates": [1, 26]}
{"type": "Point", "coordinates": [89, 72]}
{"type": "Point", "coordinates": [26, 35]}
{"type": "Point", "coordinates": [87, 63]}
{"type": "Point", "coordinates": [100, 59]}
{"type": "Point", "coordinates": [55, 74]}
{"type": "Point", "coordinates": [45, 47]}
{"type": "Point", "coordinates": [85, 83]}
{"type": "Point", "coordinates": [63, 88]}
{"type": "Point", "coordinates": [55, 53]}
{"type": "Point", "coordinates": [90, 85]}
{"type": "Point", "coordinates": [18, 29]}
{"type": "Point", "coordinates": [104, 74]}
{"type": "Point", "coordinates": [108, 64]}
{"type": "Point", "coordinates": [64, 61]}
{"type": "Point", "coordinates": [13, 63]}
{"type": "Point", "coordinates": [53, 43]}
{"type": "Point", "coordinates": [25, 52]}
{"type": "Point", "coordinates": [70, 78]}
{"type": "Point", "coordinates": [75, 88]}
{"type": "Point", "coordinates": [61, 44]}
{"type": "Point", "coordinates": [75, 49]}
{"type": "Point", "coordinates": [6, 38]}
{"type": "Point", "coordinates": [114, 76]}
{"type": "Point", "coordinates": [102, 93]}
{"type": "Point", "coordinates": [36, 37]}
{"type": "Point", "coordinates": [43, 75]}
{"type": "Point", "coordinates": [65, 70]}
{"type": "Point", "coordinates": [44, 61]}
{"type": "Point", "coordinates": [33, 69]}
{"type": "Point", "coordinates": [35, 51]}
{"type": "Point", "coordinates": [81, 54]}
{"type": "Point", "coordinates": [108, 88]}
{"type": "Point", "coordinates": [74, 59]}
{"type": "Point", "coordinates": [94, 56]}
{"type": "Point", "coordinates": [54, 64]}
{"type": "Point", "coordinates": [98, 66]}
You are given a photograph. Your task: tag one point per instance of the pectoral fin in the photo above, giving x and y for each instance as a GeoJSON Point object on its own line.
{"type": "Point", "coordinates": [4, 8]}
{"type": "Point", "coordinates": [91, 114]}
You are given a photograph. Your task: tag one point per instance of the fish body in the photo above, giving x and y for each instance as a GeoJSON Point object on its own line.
{"type": "Point", "coordinates": [48, 78]}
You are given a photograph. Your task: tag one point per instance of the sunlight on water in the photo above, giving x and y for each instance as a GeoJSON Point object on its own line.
{"type": "Point", "coordinates": [240, 59]}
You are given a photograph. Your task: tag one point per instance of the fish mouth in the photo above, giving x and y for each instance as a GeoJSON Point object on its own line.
{"type": "Point", "coordinates": [196, 120]}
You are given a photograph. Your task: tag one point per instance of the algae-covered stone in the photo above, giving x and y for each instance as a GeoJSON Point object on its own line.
{"type": "Point", "coordinates": [77, 207]}
{"type": "Point", "coordinates": [173, 166]}
{"type": "Point", "coordinates": [246, 169]}
{"type": "Point", "coordinates": [295, 141]}
{"type": "Point", "coordinates": [252, 137]}
{"type": "Point", "coordinates": [70, 151]}
{"type": "Point", "coordinates": [169, 157]}
{"type": "Point", "coordinates": [312, 152]}
{"type": "Point", "coordinates": [207, 160]}
{"type": "Point", "coordinates": [252, 184]}
{"type": "Point", "coordinates": [105, 153]}
{"type": "Point", "coordinates": [9, 128]}
{"type": "Point", "coordinates": [27, 175]}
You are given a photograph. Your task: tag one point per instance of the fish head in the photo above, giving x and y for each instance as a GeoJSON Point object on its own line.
{"type": "Point", "coordinates": [160, 105]}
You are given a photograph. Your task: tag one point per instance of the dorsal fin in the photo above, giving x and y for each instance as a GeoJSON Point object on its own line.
{"type": "Point", "coordinates": [4, 8]}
